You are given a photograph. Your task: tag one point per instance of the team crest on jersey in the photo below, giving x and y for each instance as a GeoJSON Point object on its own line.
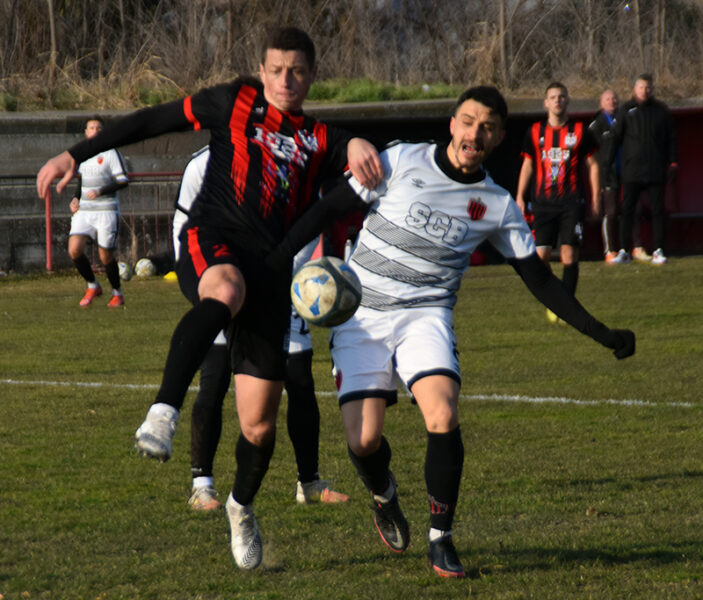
{"type": "Point", "coordinates": [570, 139]}
{"type": "Point", "coordinates": [100, 160]}
{"type": "Point", "coordinates": [476, 209]}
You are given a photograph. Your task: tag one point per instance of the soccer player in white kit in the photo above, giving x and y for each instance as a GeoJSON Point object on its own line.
{"type": "Point", "coordinates": [96, 216]}
{"type": "Point", "coordinates": [434, 207]}
{"type": "Point", "coordinates": [303, 415]}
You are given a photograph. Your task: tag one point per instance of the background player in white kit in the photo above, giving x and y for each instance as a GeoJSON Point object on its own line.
{"type": "Point", "coordinates": [96, 216]}
{"type": "Point", "coordinates": [435, 205]}
{"type": "Point", "coordinates": [303, 416]}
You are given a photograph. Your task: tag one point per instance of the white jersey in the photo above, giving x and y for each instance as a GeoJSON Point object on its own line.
{"type": "Point", "coordinates": [98, 172]}
{"type": "Point", "coordinates": [422, 227]}
{"type": "Point", "coordinates": [191, 182]}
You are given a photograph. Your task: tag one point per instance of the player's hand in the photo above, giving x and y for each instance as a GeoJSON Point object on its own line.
{"type": "Point", "coordinates": [62, 167]}
{"type": "Point", "coordinates": [74, 205]}
{"type": "Point", "coordinates": [623, 343]}
{"type": "Point", "coordinates": [364, 163]}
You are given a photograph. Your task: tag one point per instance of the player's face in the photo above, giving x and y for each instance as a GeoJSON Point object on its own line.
{"type": "Point", "coordinates": [609, 101]}
{"type": "Point", "coordinates": [556, 102]}
{"type": "Point", "coordinates": [93, 128]}
{"type": "Point", "coordinates": [287, 77]}
{"type": "Point", "coordinates": [476, 131]}
{"type": "Point", "coordinates": [642, 90]}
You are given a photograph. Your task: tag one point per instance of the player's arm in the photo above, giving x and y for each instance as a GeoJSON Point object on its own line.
{"type": "Point", "coordinates": [594, 181]}
{"type": "Point", "coordinates": [334, 204]}
{"type": "Point", "coordinates": [545, 286]}
{"type": "Point", "coordinates": [523, 182]}
{"type": "Point", "coordinates": [140, 125]}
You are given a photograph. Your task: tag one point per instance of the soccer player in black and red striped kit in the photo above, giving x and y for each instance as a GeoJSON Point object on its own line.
{"type": "Point", "coordinates": [267, 161]}
{"type": "Point", "coordinates": [554, 152]}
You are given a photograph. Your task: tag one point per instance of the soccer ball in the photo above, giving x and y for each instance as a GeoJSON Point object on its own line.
{"type": "Point", "coordinates": [144, 268]}
{"type": "Point", "coordinates": [325, 292]}
{"type": "Point", "coordinates": [125, 271]}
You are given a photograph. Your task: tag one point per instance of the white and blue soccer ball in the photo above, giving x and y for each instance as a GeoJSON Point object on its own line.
{"type": "Point", "coordinates": [145, 268]}
{"type": "Point", "coordinates": [325, 292]}
{"type": "Point", "coordinates": [125, 270]}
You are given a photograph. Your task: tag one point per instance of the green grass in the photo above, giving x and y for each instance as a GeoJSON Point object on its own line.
{"type": "Point", "coordinates": [571, 497]}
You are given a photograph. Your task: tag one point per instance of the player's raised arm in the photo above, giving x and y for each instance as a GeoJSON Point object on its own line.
{"type": "Point", "coordinates": [550, 292]}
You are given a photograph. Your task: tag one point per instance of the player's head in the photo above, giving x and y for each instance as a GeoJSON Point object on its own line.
{"type": "Point", "coordinates": [477, 127]}
{"type": "Point", "coordinates": [609, 101]}
{"type": "Point", "coordinates": [556, 99]}
{"type": "Point", "coordinates": [94, 126]}
{"type": "Point", "coordinates": [287, 68]}
{"type": "Point", "coordinates": [644, 88]}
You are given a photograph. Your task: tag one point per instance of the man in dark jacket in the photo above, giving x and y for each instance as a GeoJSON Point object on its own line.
{"type": "Point", "coordinates": [609, 165]}
{"type": "Point", "coordinates": [645, 134]}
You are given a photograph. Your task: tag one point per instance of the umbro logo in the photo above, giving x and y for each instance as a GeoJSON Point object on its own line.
{"type": "Point", "coordinates": [418, 183]}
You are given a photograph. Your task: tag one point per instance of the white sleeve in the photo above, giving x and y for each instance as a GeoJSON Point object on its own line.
{"type": "Point", "coordinates": [513, 238]}
{"type": "Point", "coordinates": [118, 169]}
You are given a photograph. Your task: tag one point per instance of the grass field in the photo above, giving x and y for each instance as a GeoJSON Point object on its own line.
{"type": "Point", "coordinates": [583, 475]}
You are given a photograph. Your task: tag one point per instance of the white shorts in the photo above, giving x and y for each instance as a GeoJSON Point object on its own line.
{"type": "Point", "coordinates": [375, 349]}
{"type": "Point", "coordinates": [102, 226]}
{"type": "Point", "coordinates": [299, 340]}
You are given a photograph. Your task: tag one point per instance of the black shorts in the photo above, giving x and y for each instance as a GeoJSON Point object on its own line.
{"type": "Point", "coordinates": [558, 223]}
{"type": "Point", "coordinates": [258, 334]}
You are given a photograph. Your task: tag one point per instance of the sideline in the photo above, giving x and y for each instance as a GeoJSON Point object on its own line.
{"type": "Point", "coordinates": [471, 397]}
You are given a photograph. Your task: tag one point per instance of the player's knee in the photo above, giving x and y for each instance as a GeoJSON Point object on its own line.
{"type": "Point", "coordinates": [259, 434]}
{"type": "Point", "coordinates": [363, 443]}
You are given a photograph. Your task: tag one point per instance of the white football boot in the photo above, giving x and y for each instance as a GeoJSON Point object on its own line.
{"type": "Point", "coordinates": [154, 438]}
{"type": "Point", "coordinates": [247, 548]}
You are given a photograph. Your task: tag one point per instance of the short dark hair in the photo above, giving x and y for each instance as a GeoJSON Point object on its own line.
{"type": "Point", "coordinates": [488, 96]}
{"type": "Point", "coordinates": [645, 77]}
{"type": "Point", "coordinates": [556, 85]}
{"type": "Point", "coordinates": [97, 118]}
{"type": "Point", "coordinates": [289, 38]}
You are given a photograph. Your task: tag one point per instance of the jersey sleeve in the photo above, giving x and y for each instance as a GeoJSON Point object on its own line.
{"type": "Point", "coordinates": [135, 127]}
{"type": "Point", "coordinates": [212, 107]}
{"type": "Point", "coordinates": [589, 144]}
{"type": "Point", "coordinates": [336, 158]}
{"type": "Point", "coordinates": [118, 167]}
{"type": "Point", "coordinates": [528, 148]}
{"type": "Point", "coordinates": [513, 238]}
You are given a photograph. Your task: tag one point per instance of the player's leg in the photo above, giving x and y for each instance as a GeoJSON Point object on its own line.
{"type": "Point", "coordinates": [609, 224]}
{"type": "Point", "coordinates": [630, 198]}
{"type": "Point", "coordinates": [303, 423]}
{"type": "Point", "coordinates": [206, 424]}
{"type": "Point", "coordinates": [546, 232]}
{"type": "Point", "coordinates": [437, 397]}
{"type": "Point", "coordinates": [257, 407]}
{"type": "Point", "coordinates": [570, 262]}
{"type": "Point", "coordinates": [221, 289]}
{"type": "Point", "coordinates": [107, 224]}
{"type": "Point", "coordinates": [81, 232]}
{"type": "Point", "coordinates": [657, 197]}
{"type": "Point", "coordinates": [370, 454]}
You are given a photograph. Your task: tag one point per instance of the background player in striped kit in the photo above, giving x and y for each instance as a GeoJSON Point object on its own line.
{"type": "Point", "coordinates": [303, 416]}
{"type": "Point", "coordinates": [435, 205]}
{"type": "Point", "coordinates": [554, 152]}
{"type": "Point", "coordinates": [96, 216]}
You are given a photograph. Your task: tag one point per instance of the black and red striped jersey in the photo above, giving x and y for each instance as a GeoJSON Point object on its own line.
{"type": "Point", "coordinates": [558, 155]}
{"type": "Point", "coordinates": [265, 168]}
